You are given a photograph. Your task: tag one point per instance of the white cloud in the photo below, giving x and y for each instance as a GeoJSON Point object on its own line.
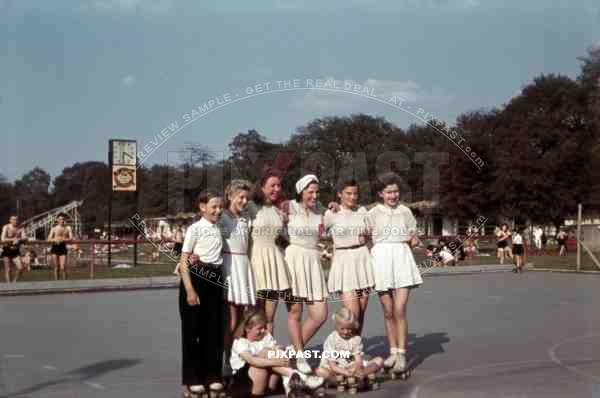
{"type": "Point", "coordinates": [128, 80]}
{"type": "Point", "coordinates": [345, 101]}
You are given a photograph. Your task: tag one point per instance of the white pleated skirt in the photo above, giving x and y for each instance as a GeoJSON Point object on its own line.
{"type": "Point", "coordinates": [269, 267]}
{"type": "Point", "coordinates": [351, 269]}
{"type": "Point", "coordinates": [306, 273]}
{"type": "Point", "coordinates": [239, 279]}
{"type": "Point", "coordinates": [394, 266]}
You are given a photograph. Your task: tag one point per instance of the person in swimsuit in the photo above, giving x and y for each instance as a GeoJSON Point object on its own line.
{"type": "Point", "coordinates": [59, 235]}
{"type": "Point", "coordinates": [12, 238]}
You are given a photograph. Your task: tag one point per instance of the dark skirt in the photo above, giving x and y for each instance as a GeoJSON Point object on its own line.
{"type": "Point", "coordinates": [59, 249]}
{"type": "Point", "coordinates": [241, 384]}
{"type": "Point", "coordinates": [177, 248]}
{"type": "Point", "coordinates": [502, 244]}
{"type": "Point", "coordinates": [202, 327]}
{"type": "Point", "coordinates": [10, 251]}
{"type": "Point", "coordinates": [517, 249]}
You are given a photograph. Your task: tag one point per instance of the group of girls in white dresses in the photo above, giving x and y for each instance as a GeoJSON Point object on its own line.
{"type": "Point", "coordinates": [266, 249]}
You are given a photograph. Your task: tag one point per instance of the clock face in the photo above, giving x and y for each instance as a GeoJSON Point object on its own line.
{"type": "Point", "coordinates": [124, 152]}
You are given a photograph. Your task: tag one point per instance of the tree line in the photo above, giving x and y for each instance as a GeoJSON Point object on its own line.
{"type": "Point", "coordinates": [538, 156]}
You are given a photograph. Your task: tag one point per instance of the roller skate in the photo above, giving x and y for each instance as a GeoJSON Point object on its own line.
{"type": "Point", "coordinates": [373, 382]}
{"type": "Point", "coordinates": [217, 390]}
{"type": "Point", "coordinates": [197, 392]}
{"type": "Point", "coordinates": [353, 385]}
{"type": "Point", "coordinates": [400, 369]}
{"type": "Point", "coordinates": [300, 386]}
{"type": "Point", "coordinates": [340, 383]}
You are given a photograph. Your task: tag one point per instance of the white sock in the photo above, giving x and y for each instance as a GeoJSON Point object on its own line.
{"type": "Point", "coordinates": [400, 351]}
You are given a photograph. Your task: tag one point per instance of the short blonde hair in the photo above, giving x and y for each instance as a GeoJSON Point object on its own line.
{"type": "Point", "coordinates": [346, 316]}
{"type": "Point", "coordinates": [234, 187]}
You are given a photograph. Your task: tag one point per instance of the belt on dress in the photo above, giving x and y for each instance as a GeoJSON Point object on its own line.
{"type": "Point", "coordinates": [305, 247]}
{"type": "Point", "coordinates": [235, 253]}
{"type": "Point", "coordinates": [350, 247]}
{"type": "Point", "coordinates": [200, 264]}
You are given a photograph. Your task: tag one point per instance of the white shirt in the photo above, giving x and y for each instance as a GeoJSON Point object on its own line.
{"type": "Point", "coordinates": [335, 342]}
{"type": "Point", "coordinates": [235, 233]}
{"type": "Point", "coordinates": [389, 225]}
{"type": "Point", "coordinates": [204, 239]}
{"type": "Point", "coordinates": [446, 255]}
{"type": "Point", "coordinates": [242, 345]}
{"type": "Point", "coordinates": [346, 226]}
{"type": "Point", "coordinates": [517, 239]}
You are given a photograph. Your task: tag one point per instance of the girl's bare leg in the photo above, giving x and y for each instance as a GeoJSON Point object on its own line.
{"type": "Point", "coordinates": [317, 314]}
{"type": "Point", "coordinates": [267, 301]}
{"type": "Point", "coordinates": [295, 324]}
{"type": "Point", "coordinates": [387, 302]}
{"type": "Point", "coordinates": [351, 300]}
{"type": "Point", "coordinates": [400, 302]}
{"type": "Point", "coordinates": [260, 380]}
{"type": "Point", "coordinates": [363, 301]}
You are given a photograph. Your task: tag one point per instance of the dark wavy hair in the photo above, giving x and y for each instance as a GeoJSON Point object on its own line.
{"type": "Point", "coordinates": [258, 196]}
{"type": "Point", "coordinates": [386, 179]}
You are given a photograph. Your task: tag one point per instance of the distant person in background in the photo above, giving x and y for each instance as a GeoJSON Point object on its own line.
{"type": "Point", "coordinates": [502, 236]}
{"type": "Point", "coordinates": [470, 248]}
{"type": "Point", "coordinates": [178, 238]}
{"type": "Point", "coordinates": [561, 238]}
{"type": "Point", "coordinates": [537, 237]}
{"type": "Point", "coordinates": [59, 235]}
{"type": "Point", "coordinates": [518, 249]}
{"type": "Point", "coordinates": [544, 240]}
{"type": "Point", "coordinates": [12, 238]}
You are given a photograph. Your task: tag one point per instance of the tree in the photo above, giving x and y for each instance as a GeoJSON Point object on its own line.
{"type": "Point", "coordinates": [465, 186]}
{"type": "Point", "coordinates": [32, 192]}
{"type": "Point", "coordinates": [7, 199]}
{"type": "Point", "coordinates": [89, 182]}
{"type": "Point", "coordinates": [544, 150]}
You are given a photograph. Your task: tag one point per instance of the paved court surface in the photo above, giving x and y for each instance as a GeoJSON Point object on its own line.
{"type": "Point", "coordinates": [484, 335]}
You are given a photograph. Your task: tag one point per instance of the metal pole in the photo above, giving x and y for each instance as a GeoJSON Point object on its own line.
{"type": "Point", "coordinates": [110, 156]}
{"type": "Point", "coordinates": [578, 237]}
{"type": "Point", "coordinates": [137, 211]}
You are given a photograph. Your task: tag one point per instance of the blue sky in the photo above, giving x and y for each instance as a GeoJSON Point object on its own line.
{"type": "Point", "coordinates": [76, 73]}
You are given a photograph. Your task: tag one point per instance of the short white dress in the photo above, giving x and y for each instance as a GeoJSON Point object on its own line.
{"type": "Point", "coordinates": [303, 256]}
{"type": "Point", "coordinates": [238, 275]}
{"type": "Point", "coordinates": [352, 264]}
{"type": "Point", "coordinates": [266, 258]}
{"type": "Point", "coordinates": [394, 265]}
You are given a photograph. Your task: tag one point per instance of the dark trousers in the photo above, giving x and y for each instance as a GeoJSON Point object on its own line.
{"type": "Point", "coordinates": [202, 328]}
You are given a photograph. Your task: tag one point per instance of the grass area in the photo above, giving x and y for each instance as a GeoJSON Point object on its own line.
{"type": "Point", "coordinates": [145, 270]}
{"type": "Point", "coordinates": [564, 263]}
{"type": "Point", "coordinates": [166, 264]}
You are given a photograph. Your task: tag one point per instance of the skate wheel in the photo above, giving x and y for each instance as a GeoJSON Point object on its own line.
{"type": "Point", "coordinates": [353, 391]}
{"type": "Point", "coordinates": [375, 386]}
{"type": "Point", "coordinates": [320, 392]}
{"type": "Point", "coordinates": [341, 388]}
{"type": "Point", "coordinates": [392, 375]}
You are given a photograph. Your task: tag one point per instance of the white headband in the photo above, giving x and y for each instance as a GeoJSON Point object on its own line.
{"type": "Point", "coordinates": [305, 181]}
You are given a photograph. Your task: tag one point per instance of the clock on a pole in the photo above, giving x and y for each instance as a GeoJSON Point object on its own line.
{"type": "Point", "coordinates": [123, 160]}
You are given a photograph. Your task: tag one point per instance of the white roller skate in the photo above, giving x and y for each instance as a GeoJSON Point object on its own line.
{"type": "Point", "coordinates": [400, 368]}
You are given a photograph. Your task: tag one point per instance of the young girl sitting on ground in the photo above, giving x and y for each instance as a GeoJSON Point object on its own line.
{"type": "Point", "coordinates": [252, 365]}
{"type": "Point", "coordinates": [345, 339]}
